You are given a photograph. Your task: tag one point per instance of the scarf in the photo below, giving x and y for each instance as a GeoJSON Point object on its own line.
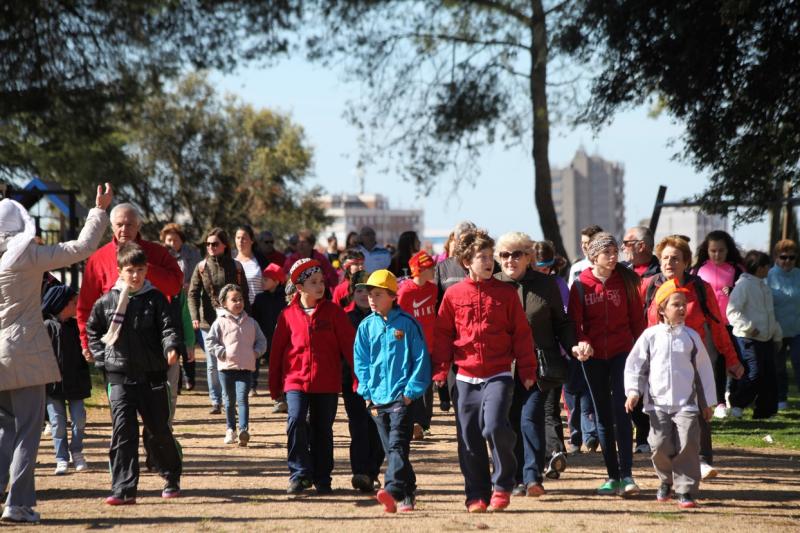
{"type": "Point", "coordinates": [112, 335]}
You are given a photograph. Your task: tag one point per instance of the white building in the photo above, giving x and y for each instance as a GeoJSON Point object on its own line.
{"type": "Point", "coordinates": [351, 212]}
{"type": "Point", "coordinates": [688, 221]}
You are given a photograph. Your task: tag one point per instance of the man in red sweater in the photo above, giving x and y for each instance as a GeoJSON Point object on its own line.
{"type": "Point", "coordinates": [100, 273]}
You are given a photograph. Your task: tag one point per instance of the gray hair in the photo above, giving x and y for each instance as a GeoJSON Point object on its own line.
{"type": "Point", "coordinates": [121, 208]}
{"type": "Point", "coordinates": [644, 234]}
{"type": "Point", "coordinates": [462, 227]}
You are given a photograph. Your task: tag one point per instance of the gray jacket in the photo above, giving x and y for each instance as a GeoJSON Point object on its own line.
{"type": "Point", "coordinates": [26, 354]}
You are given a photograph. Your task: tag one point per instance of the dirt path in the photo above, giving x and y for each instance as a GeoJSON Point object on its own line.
{"type": "Point", "coordinates": [229, 489]}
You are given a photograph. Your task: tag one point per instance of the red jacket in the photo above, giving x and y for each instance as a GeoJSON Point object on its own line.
{"type": "Point", "coordinates": [420, 302]}
{"type": "Point", "coordinates": [605, 318]}
{"type": "Point", "coordinates": [482, 327]}
{"type": "Point", "coordinates": [307, 350]}
{"type": "Point", "coordinates": [341, 292]}
{"type": "Point", "coordinates": [695, 318]}
{"type": "Point", "coordinates": [101, 273]}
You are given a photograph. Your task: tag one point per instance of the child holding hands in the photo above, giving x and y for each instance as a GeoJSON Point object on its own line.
{"type": "Point", "coordinates": [670, 371]}
{"type": "Point", "coordinates": [236, 340]}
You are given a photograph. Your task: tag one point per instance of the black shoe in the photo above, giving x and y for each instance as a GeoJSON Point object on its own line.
{"type": "Point", "coordinates": [444, 406]}
{"type": "Point", "coordinates": [362, 483]}
{"type": "Point", "coordinates": [685, 501]}
{"type": "Point", "coordinates": [215, 410]}
{"type": "Point", "coordinates": [298, 485]}
{"type": "Point", "coordinates": [322, 490]}
{"type": "Point", "coordinates": [519, 490]}
{"type": "Point", "coordinates": [592, 444]}
{"type": "Point", "coordinates": [558, 462]}
{"type": "Point", "coordinates": [663, 493]}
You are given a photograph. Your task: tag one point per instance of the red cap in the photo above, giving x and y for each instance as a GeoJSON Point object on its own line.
{"type": "Point", "coordinates": [275, 272]}
{"type": "Point", "coordinates": [420, 261]}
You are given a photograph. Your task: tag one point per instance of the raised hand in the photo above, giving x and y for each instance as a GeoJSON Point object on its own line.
{"type": "Point", "coordinates": [103, 199]}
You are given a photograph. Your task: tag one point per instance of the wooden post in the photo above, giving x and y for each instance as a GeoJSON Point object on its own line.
{"type": "Point", "coordinates": [662, 192]}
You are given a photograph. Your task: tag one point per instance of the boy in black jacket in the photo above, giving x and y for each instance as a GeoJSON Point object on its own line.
{"type": "Point", "coordinates": [133, 339]}
{"type": "Point", "coordinates": [58, 310]}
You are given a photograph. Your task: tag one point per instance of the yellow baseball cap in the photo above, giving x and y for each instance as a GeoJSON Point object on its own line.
{"type": "Point", "coordinates": [383, 279]}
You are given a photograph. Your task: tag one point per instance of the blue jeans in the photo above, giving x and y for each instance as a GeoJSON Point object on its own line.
{"type": "Point", "coordinates": [582, 427]}
{"type": "Point", "coordinates": [789, 350]}
{"type": "Point", "coordinates": [309, 429]}
{"type": "Point", "coordinates": [393, 421]}
{"type": "Point", "coordinates": [212, 374]}
{"type": "Point", "coordinates": [57, 413]}
{"type": "Point", "coordinates": [758, 382]}
{"type": "Point", "coordinates": [607, 387]}
{"type": "Point", "coordinates": [236, 382]}
{"type": "Point", "coordinates": [482, 416]}
{"type": "Point", "coordinates": [527, 420]}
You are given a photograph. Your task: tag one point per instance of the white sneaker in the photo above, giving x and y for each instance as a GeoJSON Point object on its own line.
{"type": "Point", "coordinates": [80, 462]}
{"type": "Point", "coordinates": [783, 405]}
{"type": "Point", "coordinates": [736, 412]}
{"type": "Point", "coordinates": [230, 438]}
{"type": "Point", "coordinates": [61, 468]}
{"type": "Point", "coordinates": [707, 471]}
{"type": "Point", "coordinates": [14, 513]}
{"type": "Point", "coordinates": [720, 411]}
{"type": "Point", "coordinates": [643, 448]}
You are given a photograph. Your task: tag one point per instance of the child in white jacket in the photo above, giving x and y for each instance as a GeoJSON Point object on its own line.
{"type": "Point", "coordinates": [752, 315]}
{"type": "Point", "coordinates": [236, 340]}
{"type": "Point", "coordinates": [670, 371]}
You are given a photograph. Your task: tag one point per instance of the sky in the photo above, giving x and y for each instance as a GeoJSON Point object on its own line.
{"type": "Point", "coordinates": [502, 198]}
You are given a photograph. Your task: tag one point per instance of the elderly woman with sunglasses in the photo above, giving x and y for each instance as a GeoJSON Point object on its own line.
{"type": "Point", "coordinates": [784, 280]}
{"type": "Point", "coordinates": [544, 309]}
{"type": "Point", "coordinates": [210, 275]}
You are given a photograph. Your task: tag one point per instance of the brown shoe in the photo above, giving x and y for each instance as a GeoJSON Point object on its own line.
{"type": "Point", "coordinates": [417, 433]}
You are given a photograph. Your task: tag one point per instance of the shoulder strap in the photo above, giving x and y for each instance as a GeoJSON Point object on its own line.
{"type": "Point", "coordinates": [208, 286]}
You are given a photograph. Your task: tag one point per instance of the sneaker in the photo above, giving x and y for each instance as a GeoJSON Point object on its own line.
{"type": "Point", "coordinates": [685, 501]}
{"type": "Point", "coordinates": [628, 487]}
{"type": "Point", "coordinates": [592, 444]}
{"type": "Point", "coordinates": [362, 483]}
{"type": "Point", "coordinates": [783, 405]}
{"type": "Point", "coordinates": [518, 490]}
{"type": "Point", "coordinates": [121, 500]}
{"type": "Point", "coordinates": [444, 406]}
{"type": "Point", "coordinates": [664, 492]}
{"type": "Point", "coordinates": [298, 485]}
{"type": "Point", "coordinates": [244, 438]}
{"type": "Point", "coordinates": [230, 438]}
{"type": "Point", "coordinates": [323, 490]}
{"type": "Point", "coordinates": [707, 471]}
{"type": "Point", "coordinates": [171, 491]}
{"type": "Point", "coordinates": [61, 468]}
{"type": "Point", "coordinates": [534, 490]}
{"type": "Point", "coordinates": [253, 393]}
{"type": "Point", "coordinates": [387, 500]}
{"type": "Point", "coordinates": [15, 513]}
{"type": "Point", "coordinates": [417, 433]}
{"type": "Point", "coordinates": [280, 407]}
{"type": "Point", "coordinates": [500, 500]}
{"type": "Point", "coordinates": [407, 505]}
{"type": "Point", "coordinates": [609, 488]}
{"type": "Point", "coordinates": [476, 506]}
{"type": "Point", "coordinates": [572, 449]}
{"type": "Point", "coordinates": [80, 462]}
{"type": "Point", "coordinates": [376, 484]}
{"type": "Point", "coordinates": [642, 448]}
{"type": "Point", "coordinates": [557, 464]}
{"type": "Point", "coordinates": [736, 412]}
{"type": "Point", "coordinates": [215, 409]}
{"type": "Point", "coordinates": [721, 411]}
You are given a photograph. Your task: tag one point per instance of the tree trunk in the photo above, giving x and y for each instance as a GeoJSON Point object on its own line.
{"type": "Point", "coordinates": [543, 190]}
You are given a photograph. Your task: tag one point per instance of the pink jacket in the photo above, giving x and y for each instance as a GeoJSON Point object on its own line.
{"type": "Point", "coordinates": [719, 276]}
{"type": "Point", "coordinates": [235, 341]}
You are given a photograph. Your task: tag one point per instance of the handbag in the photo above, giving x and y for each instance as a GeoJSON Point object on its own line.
{"type": "Point", "coordinates": [552, 369]}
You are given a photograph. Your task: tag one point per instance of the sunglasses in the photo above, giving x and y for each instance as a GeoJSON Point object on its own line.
{"type": "Point", "coordinates": [213, 244]}
{"type": "Point", "coordinates": [786, 257]}
{"type": "Point", "coordinates": [516, 254]}
{"type": "Point", "coordinates": [630, 242]}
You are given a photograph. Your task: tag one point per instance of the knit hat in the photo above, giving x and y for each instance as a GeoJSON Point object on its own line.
{"type": "Point", "coordinates": [419, 262]}
{"type": "Point", "coordinates": [56, 299]}
{"type": "Point", "coordinates": [302, 269]}
{"type": "Point", "coordinates": [667, 289]}
{"type": "Point", "coordinates": [18, 228]}
{"type": "Point", "coordinates": [600, 242]}
{"type": "Point", "coordinates": [275, 272]}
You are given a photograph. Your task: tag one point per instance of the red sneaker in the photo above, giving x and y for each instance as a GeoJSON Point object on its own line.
{"type": "Point", "coordinates": [534, 490]}
{"type": "Point", "coordinates": [389, 505]}
{"type": "Point", "coordinates": [125, 500]}
{"type": "Point", "coordinates": [476, 506]}
{"type": "Point", "coordinates": [500, 500]}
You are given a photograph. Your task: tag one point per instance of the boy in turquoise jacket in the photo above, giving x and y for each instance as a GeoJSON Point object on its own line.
{"type": "Point", "coordinates": [393, 368]}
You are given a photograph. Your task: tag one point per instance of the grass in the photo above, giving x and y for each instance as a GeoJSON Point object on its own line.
{"type": "Point", "coordinates": [667, 515]}
{"type": "Point", "coordinates": [99, 397]}
{"type": "Point", "coordinates": [784, 428]}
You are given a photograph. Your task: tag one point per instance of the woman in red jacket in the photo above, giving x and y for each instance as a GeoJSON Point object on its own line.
{"type": "Point", "coordinates": [481, 327]}
{"type": "Point", "coordinates": [604, 302]}
{"type": "Point", "coordinates": [312, 337]}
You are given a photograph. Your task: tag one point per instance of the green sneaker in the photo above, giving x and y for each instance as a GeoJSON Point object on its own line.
{"type": "Point", "coordinates": [609, 488]}
{"type": "Point", "coordinates": [628, 487]}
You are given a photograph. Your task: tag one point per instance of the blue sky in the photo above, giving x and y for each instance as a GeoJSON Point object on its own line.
{"type": "Point", "coordinates": [502, 199]}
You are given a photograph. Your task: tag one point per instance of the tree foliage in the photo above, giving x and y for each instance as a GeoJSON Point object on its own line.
{"type": "Point", "coordinates": [729, 70]}
{"type": "Point", "coordinates": [218, 162]}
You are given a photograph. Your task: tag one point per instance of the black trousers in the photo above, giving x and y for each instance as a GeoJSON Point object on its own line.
{"type": "Point", "coordinates": [151, 402]}
{"type": "Point", "coordinates": [553, 427]}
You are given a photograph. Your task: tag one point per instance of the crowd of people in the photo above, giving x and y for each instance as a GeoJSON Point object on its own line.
{"type": "Point", "coordinates": [641, 353]}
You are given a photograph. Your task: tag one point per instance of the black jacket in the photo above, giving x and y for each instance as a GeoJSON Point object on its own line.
{"type": "Point", "coordinates": [75, 384]}
{"type": "Point", "coordinates": [148, 333]}
{"type": "Point", "coordinates": [266, 308]}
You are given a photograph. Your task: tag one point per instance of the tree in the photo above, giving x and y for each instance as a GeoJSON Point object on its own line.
{"type": "Point", "coordinates": [218, 162]}
{"type": "Point", "coordinates": [446, 78]}
{"type": "Point", "coordinates": [729, 70]}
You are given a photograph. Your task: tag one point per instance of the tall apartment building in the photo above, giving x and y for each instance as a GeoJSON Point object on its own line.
{"type": "Point", "coordinates": [688, 221]}
{"type": "Point", "coordinates": [351, 212]}
{"type": "Point", "coordinates": [589, 191]}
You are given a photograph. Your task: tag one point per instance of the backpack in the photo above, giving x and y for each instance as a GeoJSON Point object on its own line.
{"type": "Point", "coordinates": [699, 290]}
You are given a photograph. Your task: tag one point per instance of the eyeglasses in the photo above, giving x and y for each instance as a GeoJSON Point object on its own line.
{"type": "Point", "coordinates": [786, 257]}
{"type": "Point", "coordinates": [516, 254]}
{"type": "Point", "coordinates": [631, 242]}
{"type": "Point", "coordinates": [213, 244]}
